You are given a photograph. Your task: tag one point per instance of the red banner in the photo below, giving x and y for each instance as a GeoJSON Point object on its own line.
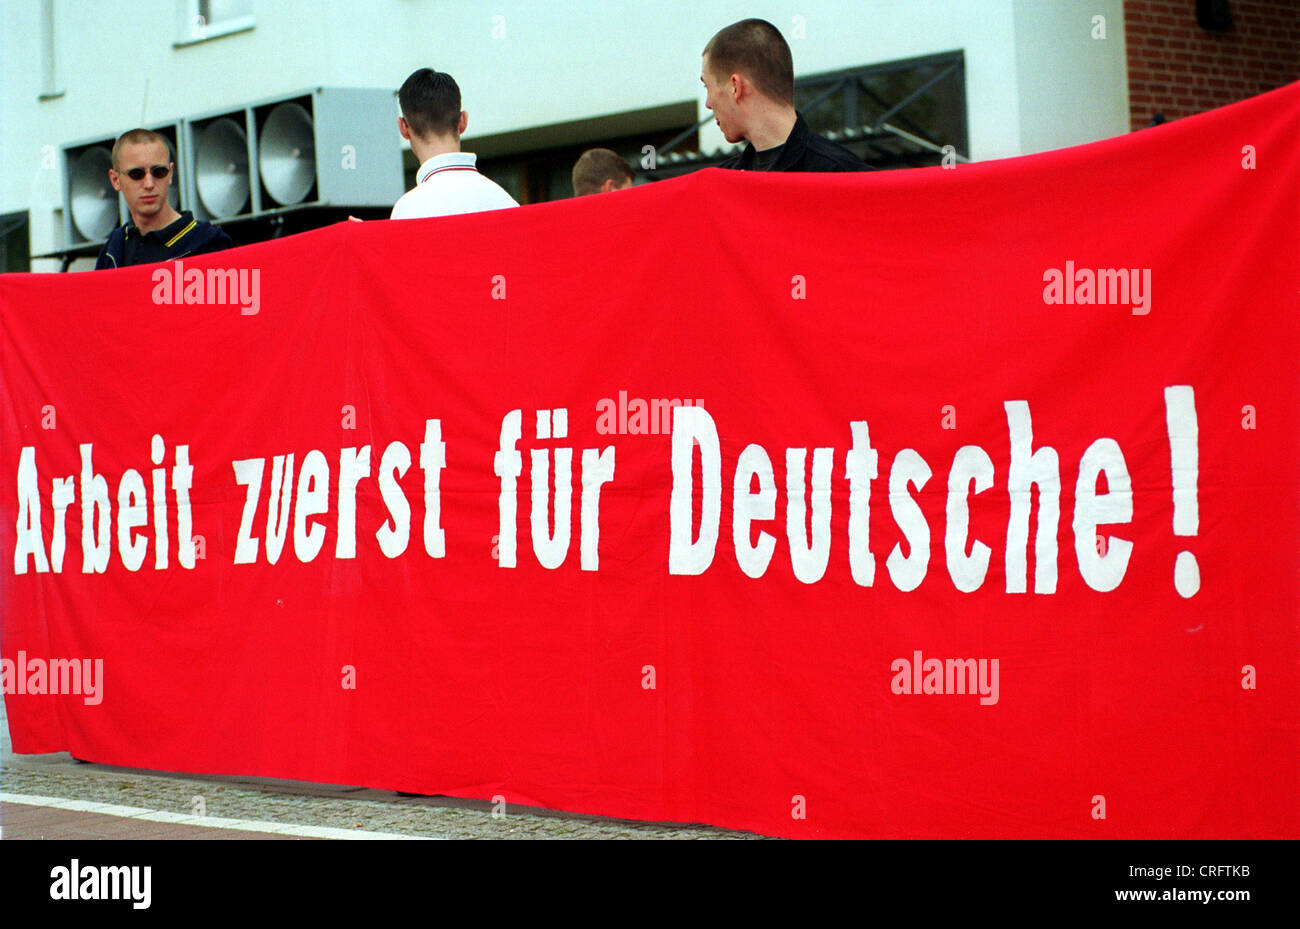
{"type": "Point", "coordinates": [932, 503]}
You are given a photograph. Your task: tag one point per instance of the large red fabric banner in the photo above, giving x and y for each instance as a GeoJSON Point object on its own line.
{"type": "Point", "coordinates": [932, 503]}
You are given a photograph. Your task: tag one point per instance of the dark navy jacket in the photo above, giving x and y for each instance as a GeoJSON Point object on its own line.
{"type": "Point", "coordinates": [184, 237]}
{"type": "Point", "coordinates": [804, 150]}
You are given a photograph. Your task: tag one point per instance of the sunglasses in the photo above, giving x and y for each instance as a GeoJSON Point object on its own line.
{"type": "Point", "coordinates": [158, 171]}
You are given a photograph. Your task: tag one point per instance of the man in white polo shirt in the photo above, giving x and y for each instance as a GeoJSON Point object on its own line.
{"type": "Point", "coordinates": [448, 181]}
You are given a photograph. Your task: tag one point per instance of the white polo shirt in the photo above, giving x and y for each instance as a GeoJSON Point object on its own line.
{"type": "Point", "coordinates": [449, 184]}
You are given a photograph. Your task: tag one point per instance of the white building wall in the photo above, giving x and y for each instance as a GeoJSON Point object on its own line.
{"type": "Point", "coordinates": [1071, 72]}
{"type": "Point", "coordinates": [1031, 84]}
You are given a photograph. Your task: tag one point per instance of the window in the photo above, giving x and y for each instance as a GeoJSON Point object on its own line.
{"type": "Point", "coordinates": [546, 174]}
{"type": "Point", "coordinates": [216, 12]}
{"type": "Point", "coordinates": [894, 115]}
{"type": "Point", "coordinates": [51, 80]}
{"type": "Point", "coordinates": [200, 20]}
{"type": "Point", "coordinates": [15, 249]}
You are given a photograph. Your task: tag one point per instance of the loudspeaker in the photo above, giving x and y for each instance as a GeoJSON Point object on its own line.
{"type": "Point", "coordinates": [330, 146]}
{"type": "Point", "coordinates": [325, 147]}
{"type": "Point", "coordinates": [219, 183]}
{"type": "Point", "coordinates": [287, 154]}
{"type": "Point", "coordinates": [221, 168]}
{"type": "Point", "coordinates": [91, 201]}
{"type": "Point", "coordinates": [334, 147]}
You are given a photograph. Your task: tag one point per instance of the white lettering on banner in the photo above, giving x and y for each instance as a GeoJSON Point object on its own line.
{"type": "Point", "coordinates": [597, 470]}
{"type": "Point", "coordinates": [395, 461]}
{"type": "Point", "coordinates": [133, 505]}
{"type": "Point", "coordinates": [971, 463]}
{"type": "Point", "coordinates": [30, 543]}
{"type": "Point", "coordinates": [115, 514]}
{"type": "Point", "coordinates": [908, 572]}
{"type": "Point", "coordinates": [1102, 572]}
{"type": "Point", "coordinates": [277, 514]}
{"type": "Point", "coordinates": [313, 500]}
{"type": "Point", "coordinates": [94, 500]}
{"type": "Point", "coordinates": [507, 464]}
{"type": "Point", "coordinates": [860, 469]}
{"type": "Point", "coordinates": [248, 473]}
{"type": "Point", "coordinates": [157, 451]}
{"type": "Point", "coordinates": [753, 557]}
{"type": "Point", "coordinates": [551, 546]}
{"type": "Point", "coordinates": [433, 458]}
{"type": "Point", "coordinates": [305, 493]}
{"type": "Point", "coordinates": [354, 465]}
{"type": "Point", "coordinates": [809, 552]}
{"type": "Point", "coordinates": [62, 494]}
{"type": "Point", "coordinates": [693, 428]}
{"type": "Point", "coordinates": [1029, 468]}
{"type": "Point", "coordinates": [1184, 467]}
{"type": "Point", "coordinates": [551, 519]}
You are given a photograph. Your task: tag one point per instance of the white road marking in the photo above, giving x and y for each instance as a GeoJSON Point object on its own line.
{"type": "Point", "coordinates": [210, 822]}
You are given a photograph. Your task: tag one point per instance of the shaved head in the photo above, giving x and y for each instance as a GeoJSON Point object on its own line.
{"type": "Point", "coordinates": [756, 49]}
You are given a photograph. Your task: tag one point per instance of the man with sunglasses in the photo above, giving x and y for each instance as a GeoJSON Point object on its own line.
{"type": "Point", "coordinates": [142, 170]}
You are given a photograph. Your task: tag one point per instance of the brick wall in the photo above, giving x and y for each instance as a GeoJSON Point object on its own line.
{"type": "Point", "coordinates": [1178, 68]}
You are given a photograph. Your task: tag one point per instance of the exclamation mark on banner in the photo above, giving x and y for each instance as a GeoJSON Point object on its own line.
{"type": "Point", "coordinates": [1180, 421]}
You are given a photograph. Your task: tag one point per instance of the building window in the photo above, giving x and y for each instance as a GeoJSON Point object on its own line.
{"type": "Point", "coordinates": [15, 247]}
{"type": "Point", "coordinates": [897, 115]}
{"type": "Point", "coordinates": [51, 80]}
{"type": "Point", "coordinates": [547, 174]}
{"type": "Point", "coordinates": [200, 20]}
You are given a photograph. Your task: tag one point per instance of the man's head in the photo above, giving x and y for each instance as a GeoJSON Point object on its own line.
{"type": "Point", "coordinates": [142, 171]}
{"type": "Point", "coordinates": [746, 67]}
{"type": "Point", "coordinates": [600, 170]}
{"type": "Point", "coordinates": [430, 102]}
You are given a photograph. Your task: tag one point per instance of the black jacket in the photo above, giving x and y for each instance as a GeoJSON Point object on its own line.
{"type": "Point", "coordinates": [195, 237]}
{"type": "Point", "coordinates": [804, 150]}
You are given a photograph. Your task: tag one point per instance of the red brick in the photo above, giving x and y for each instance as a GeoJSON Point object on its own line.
{"type": "Point", "coordinates": [1174, 64]}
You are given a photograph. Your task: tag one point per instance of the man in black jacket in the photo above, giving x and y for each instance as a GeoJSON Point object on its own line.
{"type": "Point", "coordinates": [142, 170]}
{"type": "Point", "coordinates": [748, 74]}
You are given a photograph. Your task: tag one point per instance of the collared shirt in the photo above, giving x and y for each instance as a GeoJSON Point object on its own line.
{"type": "Point", "coordinates": [167, 244]}
{"type": "Point", "coordinates": [803, 150]}
{"type": "Point", "coordinates": [184, 237]}
{"type": "Point", "coordinates": [450, 184]}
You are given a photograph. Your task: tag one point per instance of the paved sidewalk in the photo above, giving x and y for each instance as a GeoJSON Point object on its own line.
{"type": "Point", "coordinates": [44, 821]}
{"type": "Point", "coordinates": [54, 796]}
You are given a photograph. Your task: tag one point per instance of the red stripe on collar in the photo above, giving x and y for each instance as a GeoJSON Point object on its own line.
{"type": "Point", "coordinates": [448, 168]}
